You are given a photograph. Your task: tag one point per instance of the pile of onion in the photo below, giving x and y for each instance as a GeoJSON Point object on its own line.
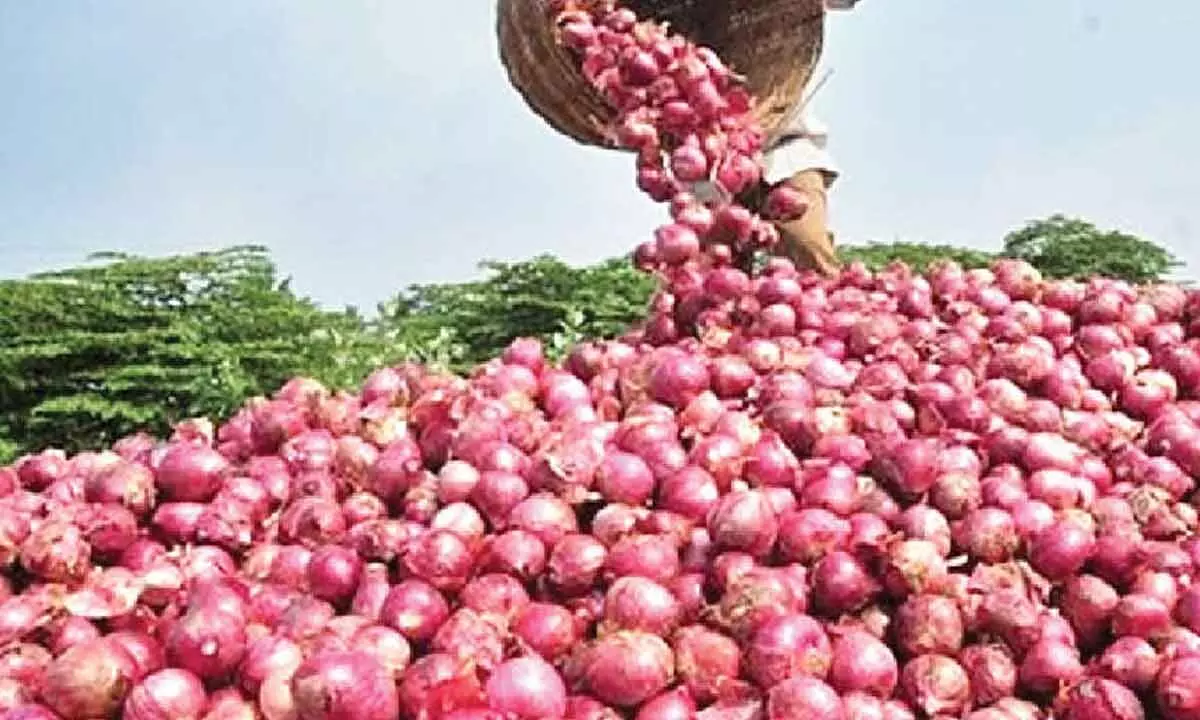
{"type": "Point", "coordinates": [878, 496]}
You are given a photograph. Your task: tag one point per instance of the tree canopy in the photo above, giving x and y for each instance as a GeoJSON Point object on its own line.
{"type": "Point", "coordinates": [1069, 247]}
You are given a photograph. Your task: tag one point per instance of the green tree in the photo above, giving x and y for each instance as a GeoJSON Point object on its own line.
{"type": "Point", "coordinates": [1060, 246]}
{"type": "Point", "coordinates": [129, 343]}
{"type": "Point", "coordinates": [543, 297]}
{"type": "Point", "coordinates": [916, 255]}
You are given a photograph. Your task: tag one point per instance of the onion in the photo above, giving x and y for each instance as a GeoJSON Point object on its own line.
{"type": "Point", "coordinates": [841, 584]}
{"type": "Point", "coordinates": [706, 661]}
{"type": "Point", "coordinates": [189, 473]}
{"type": "Point", "coordinates": [207, 642]}
{"type": "Point", "coordinates": [166, 695]}
{"type": "Point", "coordinates": [802, 697]}
{"type": "Point", "coordinates": [344, 686]}
{"type": "Point", "coordinates": [861, 663]}
{"type": "Point", "coordinates": [627, 668]}
{"type": "Point", "coordinates": [333, 573]}
{"type": "Point", "coordinates": [549, 630]}
{"type": "Point", "coordinates": [929, 625]}
{"type": "Point", "coordinates": [788, 645]}
{"type": "Point", "coordinates": [637, 603]}
{"type": "Point", "coordinates": [528, 688]}
{"type": "Point", "coordinates": [1102, 699]}
{"type": "Point", "coordinates": [744, 520]}
{"type": "Point", "coordinates": [414, 608]}
{"type": "Point", "coordinates": [89, 680]}
{"type": "Point", "coordinates": [991, 671]}
{"type": "Point", "coordinates": [935, 685]}
{"type": "Point", "coordinates": [1048, 665]}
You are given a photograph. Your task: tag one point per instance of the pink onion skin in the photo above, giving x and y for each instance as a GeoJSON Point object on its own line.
{"type": "Point", "coordinates": [1177, 691]}
{"type": "Point", "coordinates": [636, 603]}
{"type": "Point", "coordinates": [929, 625]}
{"type": "Point", "coordinates": [1131, 661]}
{"type": "Point", "coordinates": [342, 686]}
{"type": "Point", "coordinates": [166, 695]}
{"type": "Point", "coordinates": [528, 688]}
{"type": "Point", "coordinates": [1104, 699]}
{"type": "Point", "coordinates": [786, 646]}
{"type": "Point", "coordinates": [991, 671]}
{"type": "Point", "coordinates": [209, 643]}
{"type": "Point", "coordinates": [90, 680]}
{"type": "Point", "coordinates": [414, 608]}
{"type": "Point", "coordinates": [549, 630]}
{"type": "Point", "coordinates": [862, 663]}
{"type": "Point", "coordinates": [935, 685]}
{"type": "Point", "coordinates": [802, 697]}
{"type": "Point", "coordinates": [627, 668]}
{"type": "Point", "coordinates": [706, 661]}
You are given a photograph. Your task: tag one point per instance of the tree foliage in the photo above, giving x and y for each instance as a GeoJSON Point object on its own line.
{"type": "Point", "coordinates": [916, 255]}
{"type": "Point", "coordinates": [543, 297]}
{"type": "Point", "coordinates": [1069, 247]}
{"type": "Point", "coordinates": [128, 343]}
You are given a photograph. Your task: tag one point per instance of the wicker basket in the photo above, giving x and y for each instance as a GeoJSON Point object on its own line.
{"type": "Point", "coordinates": [775, 44]}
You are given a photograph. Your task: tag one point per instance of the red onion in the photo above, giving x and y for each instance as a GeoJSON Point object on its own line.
{"type": "Point", "coordinates": [1176, 691]}
{"type": "Point", "coordinates": [788, 645]}
{"type": "Point", "coordinates": [744, 520]}
{"type": "Point", "coordinates": [575, 562]}
{"type": "Point", "coordinates": [809, 534]}
{"type": "Point", "coordinates": [650, 556]}
{"type": "Point", "coordinates": [1061, 550]}
{"type": "Point", "coordinates": [495, 594]}
{"type": "Point", "coordinates": [440, 558]}
{"type": "Point", "coordinates": [637, 603]}
{"type": "Point", "coordinates": [516, 552]}
{"type": "Point", "coordinates": [841, 584]}
{"type": "Point", "coordinates": [935, 685]}
{"type": "Point", "coordinates": [861, 663]}
{"type": "Point", "coordinates": [627, 668]}
{"type": "Point", "coordinates": [549, 630]}
{"type": "Point", "coordinates": [1048, 665]}
{"type": "Point", "coordinates": [706, 661]}
{"type": "Point", "coordinates": [416, 609]}
{"type": "Point", "coordinates": [207, 642]}
{"type": "Point", "coordinates": [188, 473]}
{"type": "Point", "coordinates": [88, 681]}
{"type": "Point", "coordinates": [1088, 604]}
{"type": "Point", "coordinates": [547, 517]}
{"type": "Point", "coordinates": [333, 573]}
{"type": "Point", "coordinates": [344, 686]}
{"type": "Point", "coordinates": [166, 695]}
{"type": "Point", "coordinates": [468, 634]}
{"type": "Point", "coordinates": [527, 688]}
{"type": "Point", "coordinates": [803, 697]}
{"type": "Point", "coordinates": [929, 625]}
{"type": "Point", "coordinates": [1102, 699]}
{"type": "Point", "coordinates": [991, 670]}
{"type": "Point", "coordinates": [145, 651]}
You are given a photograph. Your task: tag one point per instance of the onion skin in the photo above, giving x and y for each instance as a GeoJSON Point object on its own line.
{"type": "Point", "coordinates": [1176, 691]}
{"type": "Point", "coordinates": [166, 695]}
{"type": "Point", "coordinates": [627, 668]}
{"type": "Point", "coordinates": [89, 680]}
{"type": "Point", "coordinates": [527, 688]}
{"type": "Point", "coordinates": [1101, 698]}
{"type": "Point", "coordinates": [344, 686]}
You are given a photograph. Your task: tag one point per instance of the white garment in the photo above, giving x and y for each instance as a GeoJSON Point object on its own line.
{"type": "Point", "coordinates": [800, 146]}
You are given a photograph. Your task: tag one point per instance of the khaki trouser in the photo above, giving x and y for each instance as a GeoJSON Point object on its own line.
{"type": "Point", "coordinates": [806, 239]}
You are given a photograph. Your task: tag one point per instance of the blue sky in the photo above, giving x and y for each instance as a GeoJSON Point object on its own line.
{"type": "Point", "coordinates": [376, 143]}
